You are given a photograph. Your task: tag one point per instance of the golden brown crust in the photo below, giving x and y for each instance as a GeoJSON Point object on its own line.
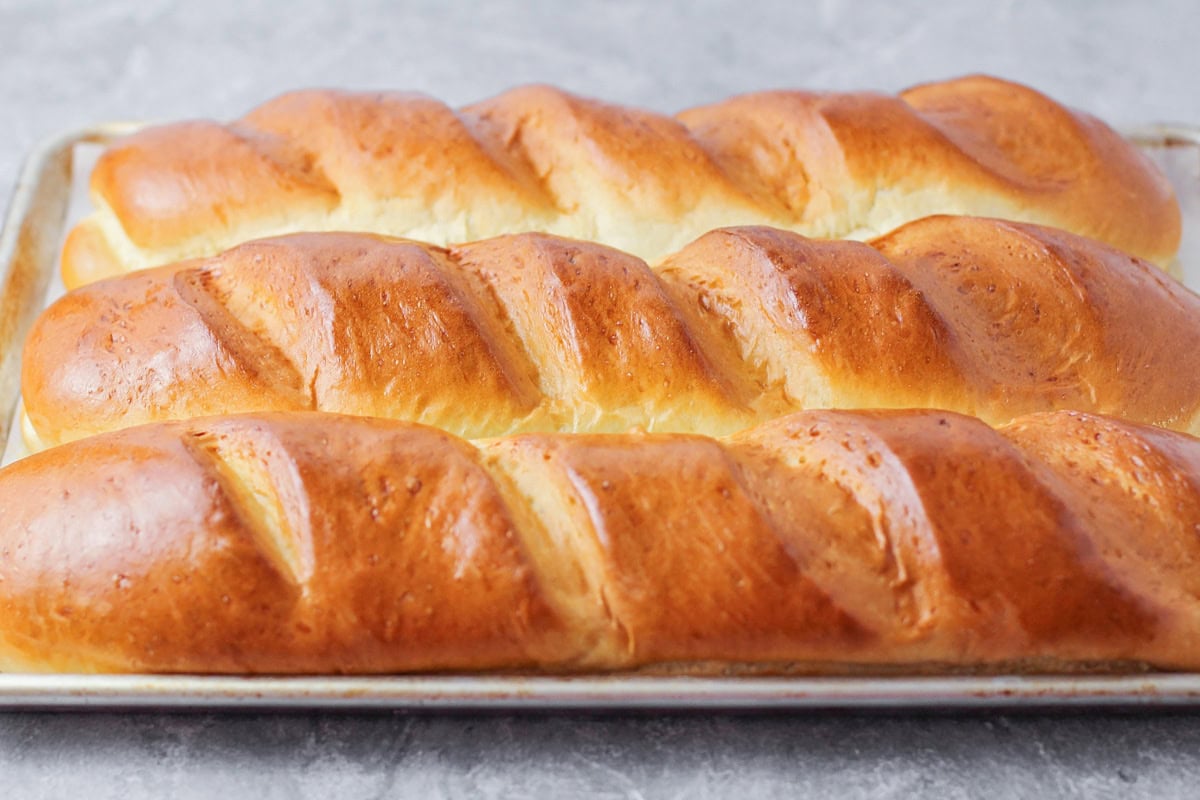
{"type": "Point", "coordinates": [537, 158]}
{"type": "Point", "coordinates": [535, 332]}
{"type": "Point", "coordinates": [1126, 202]}
{"type": "Point", "coordinates": [319, 543]}
{"type": "Point", "coordinates": [245, 168]}
{"type": "Point", "coordinates": [408, 532]}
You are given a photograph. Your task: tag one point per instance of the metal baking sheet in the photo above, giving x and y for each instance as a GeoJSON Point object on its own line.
{"type": "Point", "coordinates": [51, 196]}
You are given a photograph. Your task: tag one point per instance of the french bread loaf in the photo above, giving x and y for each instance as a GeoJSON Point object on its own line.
{"type": "Point", "coordinates": [820, 542]}
{"type": "Point", "coordinates": [535, 332]}
{"type": "Point", "coordinates": [536, 158]}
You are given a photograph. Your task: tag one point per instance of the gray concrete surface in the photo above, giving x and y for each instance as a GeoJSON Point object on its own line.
{"type": "Point", "coordinates": [63, 64]}
{"type": "Point", "coordinates": [340, 757]}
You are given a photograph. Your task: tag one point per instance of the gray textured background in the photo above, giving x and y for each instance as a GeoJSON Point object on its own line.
{"type": "Point", "coordinates": [66, 64]}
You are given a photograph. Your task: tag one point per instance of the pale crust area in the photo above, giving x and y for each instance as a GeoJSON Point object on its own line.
{"type": "Point", "coordinates": [537, 158]}
{"type": "Point", "coordinates": [534, 332]}
{"type": "Point", "coordinates": [824, 541]}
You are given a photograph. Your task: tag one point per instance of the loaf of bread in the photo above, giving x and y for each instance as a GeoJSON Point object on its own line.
{"type": "Point", "coordinates": [820, 542]}
{"type": "Point", "coordinates": [536, 333]}
{"type": "Point", "coordinates": [539, 159]}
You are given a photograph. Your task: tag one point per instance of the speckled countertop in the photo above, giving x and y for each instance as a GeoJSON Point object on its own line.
{"type": "Point", "coordinates": [64, 64]}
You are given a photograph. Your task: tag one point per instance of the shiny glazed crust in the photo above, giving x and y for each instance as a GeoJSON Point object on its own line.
{"type": "Point", "coordinates": [537, 158]}
{"type": "Point", "coordinates": [822, 541]}
{"type": "Point", "coordinates": [534, 332]}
